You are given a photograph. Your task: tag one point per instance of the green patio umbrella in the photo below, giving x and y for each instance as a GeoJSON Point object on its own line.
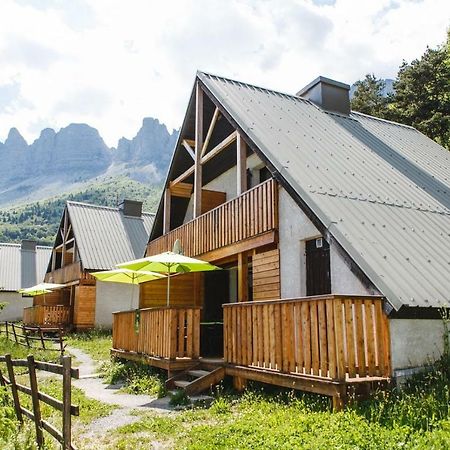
{"type": "Point", "coordinates": [169, 263]}
{"type": "Point", "coordinates": [39, 289]}
{"type": "Point", "coordinates": [126, 276]}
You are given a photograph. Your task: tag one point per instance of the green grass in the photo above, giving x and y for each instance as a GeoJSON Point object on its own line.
{"type": "Point", "coordinates": [96, 343]}
{"type": "Point", "coordinates": [21, 352]}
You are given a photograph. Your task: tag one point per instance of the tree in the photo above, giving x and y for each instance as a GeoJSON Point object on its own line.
{"type": "Point", "coordinates": [368, 97]}
{"type": "Point", "coordinates": [422, 94]}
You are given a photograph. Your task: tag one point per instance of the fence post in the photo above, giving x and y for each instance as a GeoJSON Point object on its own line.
{"type": "Point", "coordinates": [7, 330]}
{"type": "Point", "coordinates": [15, 394]}
{"type": "Point", "coordinates": [35, 399]}
{"type": "Point", "coordinates": [25, 333]}
{"type": "Point", "coordinates": [14, 332]}
{"type": "Point", "coordinates": [61, 343]}
{"type": "Point", "coordinates": [41, 334]}
{"type": "Point", "coordinates": [67, 401]}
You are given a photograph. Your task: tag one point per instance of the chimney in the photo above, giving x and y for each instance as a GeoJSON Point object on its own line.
{"type": "Point", "coordinates": [328, 94]}
{"type": "Point", "coordinates": [131, 208]}
{"type": "Point", "coordinates": [27, 263]}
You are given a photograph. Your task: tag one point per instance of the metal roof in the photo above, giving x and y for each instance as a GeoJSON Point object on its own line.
{"type": "Point", "coordinates": [12, 264]}
{"type": "Point", "coordinates": [105, 236]}
{"type": "Point", "coordinates": [381, 189]}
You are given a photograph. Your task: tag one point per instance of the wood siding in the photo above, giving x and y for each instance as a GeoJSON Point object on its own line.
{"type": "Point", "coordinates": [72, 272]}
{"type": "Point", "coordinates": [266, 275]}
{"type": "Point", "coordinates": [185, 290]}
{"type": "Point", "coordinates": [332, 337]}
{"type": "Point", "coordinates": [58, 297]}
{"type": "Point", "coordinates": [212, 199]}
{"type": "Point", "coordinates": [84, 306]}
{"type": "Point", "coordinates": [253, 213]}
{"type": "Point", "coordinates": [48, 315]}
{"type": "Point", "coordinates": [158, 332]}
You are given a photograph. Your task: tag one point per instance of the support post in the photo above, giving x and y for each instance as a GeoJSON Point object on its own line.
{"type": "Point", "coordinates": [241, 168]}
{"type": "Point", "coordinates": [14, 391]}
{"type": "Point", "coordinates": [35, 400]}
{"type": "Point", "coordinates": [67, 401]}
{"type": "Point", "coordinates": [242, 277]}
{"type": "Point", "coordinates": [166, 220]}
{"type": "Point", "coordinates": [198, 151]}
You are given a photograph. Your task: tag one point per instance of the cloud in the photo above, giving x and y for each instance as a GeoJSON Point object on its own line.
{"type": "Point", "coordinates": [11, 98]}
{"type": "Point", "coordinates": [88, 101]}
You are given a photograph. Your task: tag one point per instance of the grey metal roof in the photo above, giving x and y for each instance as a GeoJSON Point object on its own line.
{"type": "Point", "coordinates": [12, 264]}
{"type": "Point", "coordinates": [381, 189]}
{"type": "Point", "coordinates": [106, 237]}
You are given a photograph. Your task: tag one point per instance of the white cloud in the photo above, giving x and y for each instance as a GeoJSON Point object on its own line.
{"type": "Point", "coordinates": [110, 63]}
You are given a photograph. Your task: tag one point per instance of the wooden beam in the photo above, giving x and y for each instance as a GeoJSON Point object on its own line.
{"type": "Point", "coordinates": [210, 130]}
{"type": "Point", "coordinates": [241, 168]}
{"type": "Point", "coordinates": [166, 216]}
{"type": "Point", "coordinates": [188, 149]}
{"type": "Point", "coordinates": [183, 176]}
{"type": "Point", "coordinates": [198, 150]}
{"type": "Point", "coordinates": [242, 277]}
{"type": "Point", "coordinates": [219, 147]}
{"type": "Point", "coordinates": [181, 189]}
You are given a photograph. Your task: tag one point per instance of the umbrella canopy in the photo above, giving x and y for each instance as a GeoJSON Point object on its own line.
{"type": "Point", "coordinates": [126, 276]}
{"type": "Point", "coordinates": [39, 289]}
{"type": "Point", "coordinates": [169, 263]}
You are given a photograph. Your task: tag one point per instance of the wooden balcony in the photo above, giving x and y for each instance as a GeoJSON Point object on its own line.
{"type": "Point", "coordinates": [65, 274]}
{"type": "Point", "coordinates": [332, 338]}
{"type": "Point", "coordinates": [167, 337]}
{"type": "Point", "coordinates": [252, 214]}
{"type": "Point", "coordinates": [48, 316]}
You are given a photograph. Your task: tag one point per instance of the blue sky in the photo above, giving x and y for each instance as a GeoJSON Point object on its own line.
{"type": "Point", "coordinates": [109, 63]}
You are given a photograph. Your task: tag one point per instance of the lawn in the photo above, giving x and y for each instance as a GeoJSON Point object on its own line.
{"type": "Point", "coordinates": [96, 343]}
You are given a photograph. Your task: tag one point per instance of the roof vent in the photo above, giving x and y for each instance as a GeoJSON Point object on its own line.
{"type": "Point", "coordinates": [131, 208]}
{"type": "Point", "coordinates": [28, 244]}
{"type": "Point", "coordinates": [329, 94]}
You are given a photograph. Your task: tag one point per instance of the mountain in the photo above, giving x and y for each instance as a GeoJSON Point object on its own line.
{"type": "Point", "coordinates": [64, 160]}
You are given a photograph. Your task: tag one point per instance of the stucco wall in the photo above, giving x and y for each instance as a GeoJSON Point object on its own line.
{"type": "Point", "coordinates": [15, 304]}
{"type": "Point", "coordinates": [415, 342]}
{"type": "Point", "coordinates": [112, 297]}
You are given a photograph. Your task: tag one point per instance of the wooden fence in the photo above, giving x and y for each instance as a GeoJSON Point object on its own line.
{"type": "Point", "coordinates": [47, 315]}
{"type": "Point", "coordinates": [328, 336]}
{"type": "Point", "coordinates": [165, 332]}
{"type": "Point", "coordinates": [252, 213]}
{"type": "Point", "coordinates": [68, 410]}
{"type": "Point", "coordinates": [33, 337]}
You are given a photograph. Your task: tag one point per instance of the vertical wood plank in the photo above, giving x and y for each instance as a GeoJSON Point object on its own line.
{"type": "Point", "coordinates": [332, 364]}
{"type": "Point", "coordinates": [323, 342]}
{"type": "Point", "coordinates": [306, 330]}
{"type": "Point", "coordinates": [350, 338]}
{"type": "Point", "coordinates": [35, 401]}
{"type": "Point", "coordinates": [359, 326]}
{"type": "Point", "coordinates": [339, 333]}
{"type": "Point", "coordinates": [314, 338]}
{"type": "Point", "coordinates": [370, 338]}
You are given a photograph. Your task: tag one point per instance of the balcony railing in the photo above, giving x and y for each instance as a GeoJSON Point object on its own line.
{"type": "Point", "coordinates": [328, 336]}
{"type": "Point", "coordinates": [71, 272]}
{"type": "Point", "coordinates": [166, 332]}
{"type": "Point", "coordinates": [251, 214]}
{"type": "Point", "coordinates": [46, 315]}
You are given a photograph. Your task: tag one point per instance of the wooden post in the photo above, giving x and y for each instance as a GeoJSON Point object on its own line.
{"type": "Point", "coordinates": [15, 393]}
{"type": "Point", "coordinates": [242, 277]}
{"type": "Point", "coordinates": [41, 334]}
{"type": "Point", "coordinates": [7, 330]}
{"type": "Point", "coordinates": [166, 219]}
{"type": "Point", "coordinates": [25, 333]}
{"type": "Point", "coordinates": [14, 332]}
{"type": "Point", "coordinates": [35, 399]}
{"type": "Point", "coordinates": [241, 168]}
{"type": "Point", "coordinates": [67, 400]}
{"type": "Point", "coordinates": [198, 151]}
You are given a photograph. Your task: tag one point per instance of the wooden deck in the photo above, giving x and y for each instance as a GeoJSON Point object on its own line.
{"type": "Point", "coordinates": [47, 316]}
{"type": "Point", "coordinates": [252, 214]}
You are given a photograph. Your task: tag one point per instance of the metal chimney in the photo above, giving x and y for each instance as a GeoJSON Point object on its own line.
{"type": "Point", "coordinates": [28, 263]}
{"type": "Point", "coordinates": [131, 208]}
{"type": "Point", "coordinates": [329, 94]}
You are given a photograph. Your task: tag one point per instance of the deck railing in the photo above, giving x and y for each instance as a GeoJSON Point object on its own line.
{"type": "Point", "coordinates": [252, 213]}
{"type": "Point", "coordinates": [166, 332]}
{"type": "Point", "coordinates": [328, 336]}
{"type": "Point", "coordinates": [46, 315]}
{"type": "Point", "coordinates": [71, 272]}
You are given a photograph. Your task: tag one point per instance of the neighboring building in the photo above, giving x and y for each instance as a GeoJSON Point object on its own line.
{"type": "Point", "coordinates": [91, 238]}
{"type": "Point", "coordinates": [21, 265]}
{"type": "Point", "coordinates": [334, 228]}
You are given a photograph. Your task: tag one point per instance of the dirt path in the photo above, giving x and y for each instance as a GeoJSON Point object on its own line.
{"type": "Point", "coordinates": [127, 404]}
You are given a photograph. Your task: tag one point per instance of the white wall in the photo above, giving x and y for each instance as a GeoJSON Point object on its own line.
{"type": "Point", "coordinates": [294, 229]}
{"type": "Point", "coordinates": [15, 304]}
{"type": "Point", "coordinates": [112, 297]}
{"type": "Point", "coordinates": [415, 342]}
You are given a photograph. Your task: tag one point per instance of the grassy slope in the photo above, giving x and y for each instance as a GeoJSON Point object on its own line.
{"type": "Point", "coordinates": [40, 220]}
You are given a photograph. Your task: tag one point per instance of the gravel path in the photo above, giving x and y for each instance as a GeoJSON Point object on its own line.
{"type": "Point", "coordinates": [93, 387]}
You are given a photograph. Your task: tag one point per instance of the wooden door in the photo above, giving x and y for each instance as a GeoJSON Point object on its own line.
{"type": "Point", "coordinates": [318, 273]}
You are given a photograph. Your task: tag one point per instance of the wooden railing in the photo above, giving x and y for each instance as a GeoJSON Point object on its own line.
{"type": "Point", "coordinates": [252, 213]}
{"type": "Point", "coordinates": [328, 336]}
{"type": "Point", "coordinates": [166, 332]}
{"type": "Point", "coordinates": [46, 315]}
{"type": "Point", "coordinates": [71, 272]}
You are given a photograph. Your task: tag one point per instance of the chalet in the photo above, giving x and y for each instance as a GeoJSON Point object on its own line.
{"type": "Point", "coordinates": [334, 228]}
{"type": "Point", "coordinates": [21, 265]}
{"type": "Point", "coordinates": [90, 238]}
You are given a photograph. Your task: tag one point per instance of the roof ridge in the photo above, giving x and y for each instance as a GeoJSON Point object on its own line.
{"type": "Point", "coordinates": [382, 120]}
{"type": "Point", "coordinates": [111, 208]}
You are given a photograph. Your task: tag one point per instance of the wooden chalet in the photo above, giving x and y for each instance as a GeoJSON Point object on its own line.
{"type": "Point", "coordinates": [333, 230]}
{"type": "Point", "coordinates": [90, 238]}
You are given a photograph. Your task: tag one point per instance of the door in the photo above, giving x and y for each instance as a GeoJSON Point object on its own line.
{"type": "Point", "coordinates": [318, 273]}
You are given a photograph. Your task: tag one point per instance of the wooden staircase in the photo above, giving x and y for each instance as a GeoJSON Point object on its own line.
{"type": "Point", "coordinates": [196, 379]}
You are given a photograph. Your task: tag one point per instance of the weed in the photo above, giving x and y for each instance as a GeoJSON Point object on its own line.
{"type": "Point", "coordinates": [179, 398]}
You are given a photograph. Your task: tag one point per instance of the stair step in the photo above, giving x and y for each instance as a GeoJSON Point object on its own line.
{"type": "Point", "coordinates": [198, 373]}
{"type": "Point", "coordinates": [181, 383]}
